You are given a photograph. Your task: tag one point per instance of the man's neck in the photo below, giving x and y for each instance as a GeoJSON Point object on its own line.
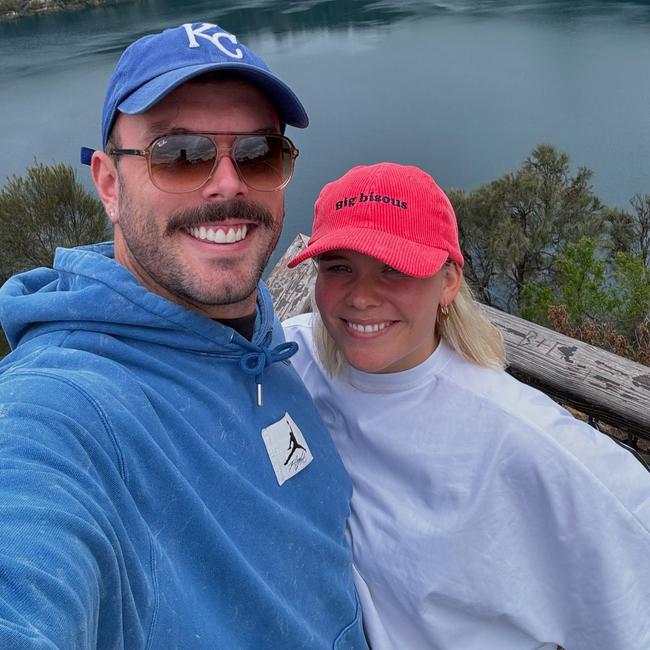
{"type": "Point", "coordinates": [244, 325]}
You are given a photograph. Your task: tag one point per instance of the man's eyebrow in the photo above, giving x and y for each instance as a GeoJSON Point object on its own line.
{"type": "Point", "coordinates": [158, 129]}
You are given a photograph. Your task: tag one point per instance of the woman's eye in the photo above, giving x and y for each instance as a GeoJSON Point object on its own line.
{"type": "Point", "coordinates": [392, 271]}
{"type": "Point", "coordinates": [336, 268]}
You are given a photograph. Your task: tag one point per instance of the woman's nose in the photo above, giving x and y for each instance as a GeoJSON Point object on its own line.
{"type": "Point", "coordinates": [363, 294]}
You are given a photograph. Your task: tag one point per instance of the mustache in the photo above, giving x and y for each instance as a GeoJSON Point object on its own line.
{"type": "Point", "coordinates": [230, 210]}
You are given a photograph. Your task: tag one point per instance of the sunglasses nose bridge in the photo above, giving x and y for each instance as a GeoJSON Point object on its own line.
{"type": "Point", "coordinates": [223, 151]}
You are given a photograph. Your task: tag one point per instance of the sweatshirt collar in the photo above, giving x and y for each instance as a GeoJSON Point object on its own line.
{"type": "Point", "coordinates": [391, 382]}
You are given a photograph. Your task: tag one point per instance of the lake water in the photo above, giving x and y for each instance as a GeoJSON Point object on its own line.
{"type": "Point", "coordinates": [464, 89]}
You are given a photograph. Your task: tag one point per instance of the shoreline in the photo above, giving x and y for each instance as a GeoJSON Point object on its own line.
{"type": "Point", "coordinates": [16, 9]}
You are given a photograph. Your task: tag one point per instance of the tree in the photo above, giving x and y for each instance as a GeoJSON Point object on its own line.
{"type": "Point", "coordinates": [44, 209]}
{"type": "Point", "coordinates": [479, 244]}
{"type": "Point", "coordinates": [630, 232]}
{"type": "Point", "coordinates": [513, 229]}
{"type": "Point", "coordinates": [604, 303]}
{"type": "Point", "coordinates": [631, 289]}
{"type": "Point", "coordinates": [583, 282]}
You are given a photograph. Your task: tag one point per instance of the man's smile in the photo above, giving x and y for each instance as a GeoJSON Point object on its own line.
{"type": "Point", "coordinates": [219, 234]}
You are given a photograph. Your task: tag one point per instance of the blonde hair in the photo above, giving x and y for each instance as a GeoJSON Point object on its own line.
{"type": "Point", "coordinates": [466, 329]}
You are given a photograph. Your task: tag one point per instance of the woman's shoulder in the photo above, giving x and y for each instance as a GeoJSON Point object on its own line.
{"type": "Point", "coordinates": [298, 323]}
{"type": "Point", "coordinates": [503, 399]}
{"type": "Point", "coordinates": [543, 431]}
{"type": "Point", "coordinates": [493, 385]}
{"type": "Point", "coordinates": [299, 329]}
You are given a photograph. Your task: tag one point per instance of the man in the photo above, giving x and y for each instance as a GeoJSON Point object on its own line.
{"type": "Point", "coordinates": [150, 495]}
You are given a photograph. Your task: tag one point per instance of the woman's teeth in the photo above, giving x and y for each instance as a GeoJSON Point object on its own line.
{"type": "Point", "coordinates": [367, 329]}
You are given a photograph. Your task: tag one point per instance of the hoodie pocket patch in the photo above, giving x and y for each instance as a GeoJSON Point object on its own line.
{"type": "Point", "coordinates": [287, 448]}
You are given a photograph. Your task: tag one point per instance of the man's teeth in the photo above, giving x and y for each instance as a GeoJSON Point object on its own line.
{"type": "Point", "coordinates": [219, 235]}
{"type": "Point", "coordinates": [368, 329]}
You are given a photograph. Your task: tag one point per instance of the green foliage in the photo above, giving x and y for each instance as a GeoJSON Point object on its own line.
{"type": "Point", "coordinates": [478, 231]}
{"type": "Point", "coordinates": [12, 8]}
{"type": "Point", "coordinates": [513, 229]}
{"type": "Point", "coordinates": [44, 209]}
{"type": "Point", "coordinates": [632, 291]}
{"type": "Point", "coordinates": [629, 232]}
{"type": "Point", "coordinates": [617, 292]}
{"type": "Point", "coordinates": [640, 229]}
{"type": "Point", "coordinates": [603, 302]}
{"type": "Point", "coordinates": [592, 289]}
{"type": "Point", "coordinates": [25, 7]}
{"type": "Point", "coordinates": [538, 242]}
{"type": "Point", "coordinates": [583, 282]}
{"type": "Point", "coordinates": [535, 303]}
{"type": "Point", "coordinates": [620, 227]}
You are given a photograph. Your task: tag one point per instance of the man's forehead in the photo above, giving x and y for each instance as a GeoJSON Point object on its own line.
{"type": "Point", "coordinates": [207, 96]}
{"type": "Point", "coordinates": [214, 92]}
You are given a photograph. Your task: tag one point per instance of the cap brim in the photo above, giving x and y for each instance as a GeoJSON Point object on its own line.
{"type": "Point", "coordinates": [290, 109]}
{"type": "Point", "coordinates": [409, 257]}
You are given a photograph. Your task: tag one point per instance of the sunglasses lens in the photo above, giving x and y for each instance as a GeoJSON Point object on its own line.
{"type": "Point", "coordinates": [264, 162]}
{"type": "Point", "coordinates": [182, 163]}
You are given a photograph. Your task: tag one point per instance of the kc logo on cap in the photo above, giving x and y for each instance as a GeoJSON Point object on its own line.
{"type": "Point", "coordinates": [200, 32]}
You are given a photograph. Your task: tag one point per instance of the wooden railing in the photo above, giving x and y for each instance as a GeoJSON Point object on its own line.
{"type": "Point", "coordinates": [606, 387]}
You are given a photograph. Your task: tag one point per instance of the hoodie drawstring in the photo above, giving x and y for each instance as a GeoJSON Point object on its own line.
{"type": "Point", "coordinates": [253, 363]}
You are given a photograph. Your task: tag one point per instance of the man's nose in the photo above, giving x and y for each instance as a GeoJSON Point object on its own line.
{"type": "Point", "coordinates": [224, 182]}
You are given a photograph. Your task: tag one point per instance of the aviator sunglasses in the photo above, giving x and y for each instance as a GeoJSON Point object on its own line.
{"type": "Point", "coordinates": [184, 162]}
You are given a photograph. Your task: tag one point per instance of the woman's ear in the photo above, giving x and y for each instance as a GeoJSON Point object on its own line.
{"type": "Point", "coordinates": [452, 277]}
{"type": "Point", "coordinates": [105, 177]}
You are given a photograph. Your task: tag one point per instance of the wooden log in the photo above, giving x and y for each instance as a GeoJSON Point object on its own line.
{"type": "Point", "coordinates": [609, 388]}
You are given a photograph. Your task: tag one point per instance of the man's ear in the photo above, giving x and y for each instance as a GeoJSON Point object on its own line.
{"type": "Point", "coordinates": [104, 173]}
{"type": "Point", "coordinates": [452, 277]}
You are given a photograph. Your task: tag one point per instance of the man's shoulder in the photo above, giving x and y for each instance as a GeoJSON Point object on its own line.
{"type": "Point", "coordinates": [57, 404]}
{"type": "Point", "coordinates": [56, 376]}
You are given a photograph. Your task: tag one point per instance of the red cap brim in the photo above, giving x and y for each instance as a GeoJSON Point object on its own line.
{"type": "Point", "coordinates": [409, 257]}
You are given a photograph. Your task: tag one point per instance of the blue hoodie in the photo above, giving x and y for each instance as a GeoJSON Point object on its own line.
{"type": "Point", "coordinates": [139, 505]}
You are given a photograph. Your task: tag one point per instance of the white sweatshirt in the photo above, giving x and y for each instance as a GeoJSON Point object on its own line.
{"type": "Point", "coordinates": [484, 516]}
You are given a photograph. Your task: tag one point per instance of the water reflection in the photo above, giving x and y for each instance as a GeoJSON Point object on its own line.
{"type": "Point", "coordinates": [47, 41]}
{"type": "Point", "coordinates": [462, 88]}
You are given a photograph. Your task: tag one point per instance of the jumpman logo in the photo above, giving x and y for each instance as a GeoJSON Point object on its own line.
{"type": "Point", "coordinates": [294, 445]}
{"type": "Point", "coordinates": [287, 448]}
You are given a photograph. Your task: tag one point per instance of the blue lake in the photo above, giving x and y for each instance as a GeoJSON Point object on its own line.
{"type": "Point", "coordinates": [463, 89]}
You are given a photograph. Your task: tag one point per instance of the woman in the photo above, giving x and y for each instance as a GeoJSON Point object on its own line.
{"type": "Point", "coordinates": [484, 516]}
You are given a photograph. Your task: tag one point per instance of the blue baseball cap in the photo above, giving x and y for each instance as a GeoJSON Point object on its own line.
{"type": "Point", "coordinates": [154, 65]}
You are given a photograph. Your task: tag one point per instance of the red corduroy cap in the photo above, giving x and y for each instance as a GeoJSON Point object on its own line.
{"type": "Point", "coordinates": [394, 213]}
